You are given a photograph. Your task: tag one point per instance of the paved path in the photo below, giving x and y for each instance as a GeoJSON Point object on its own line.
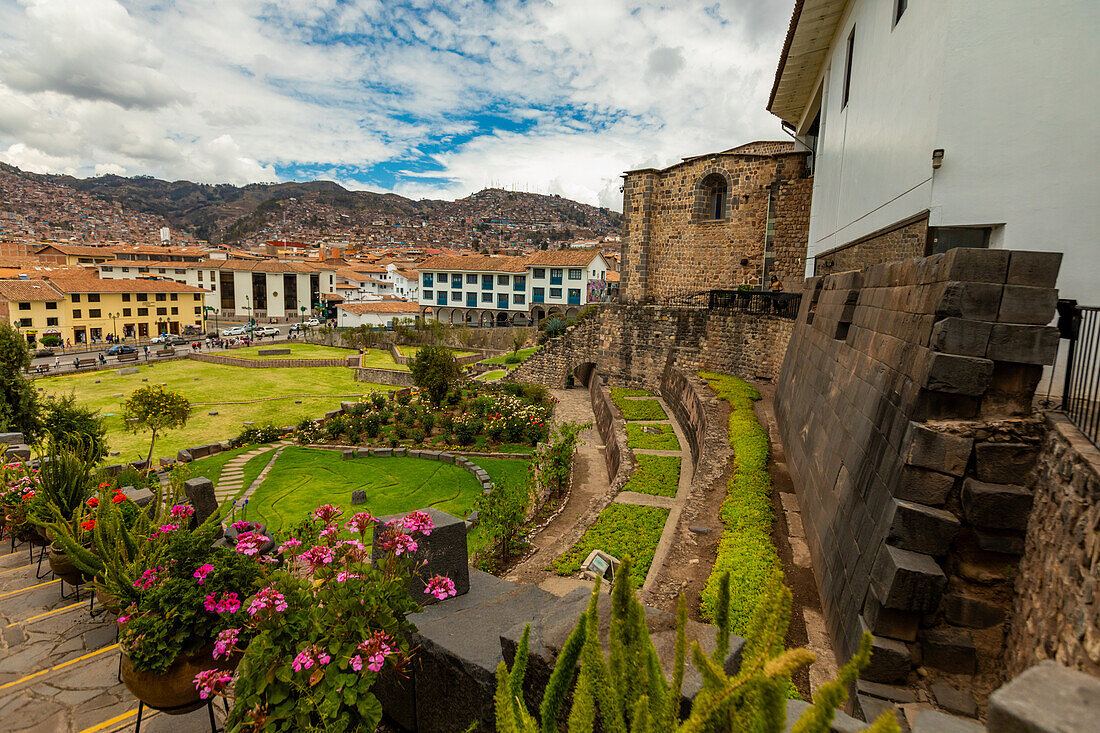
{"type": "Point", "coordinates": [231, 481]}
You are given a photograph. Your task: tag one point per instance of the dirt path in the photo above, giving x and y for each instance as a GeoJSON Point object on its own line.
{"type": "Point", "coordinates": [588, 495]}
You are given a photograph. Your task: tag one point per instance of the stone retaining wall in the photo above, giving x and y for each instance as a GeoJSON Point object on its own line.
{"type": "Point", "coordinates": [478, 355]}
{"type": "Point", "coordinates": [680, 394]}
{"type": "Point", "coordinates": [395, 377]}
{"type": "Point", "coordinates": [270, 363]}
{"type": "Point", "coordinates": [904, 406]}
{"type": "Point", "coordinates": [1057, 606]}
{"type": "Point", "coordinates": [630, 345]}
{"type": "Point", "coordinates": [618, 457]}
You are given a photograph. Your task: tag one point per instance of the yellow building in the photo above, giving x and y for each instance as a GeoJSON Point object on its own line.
{"type": "Point", "coordinates": [87, 309]}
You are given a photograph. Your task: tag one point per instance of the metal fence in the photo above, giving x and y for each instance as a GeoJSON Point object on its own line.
{"type": "Point", "coordinates": [754, 302]}
{"type": "Point", "coordinates": [1081, 393]}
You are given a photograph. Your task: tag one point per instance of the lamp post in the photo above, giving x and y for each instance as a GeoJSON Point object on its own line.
{"type": "Point", "coordinates": [114, 326]}
{"type": "Point", "coordinates": [248, 308]}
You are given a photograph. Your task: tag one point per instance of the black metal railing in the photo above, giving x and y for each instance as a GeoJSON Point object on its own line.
{"type": "Point", "coordinates": [755, 302]}
{"type": "Point", "coordinates": [1080, 324]}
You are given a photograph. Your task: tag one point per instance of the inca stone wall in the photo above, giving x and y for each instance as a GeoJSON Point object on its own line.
{"type": "Point", "coordinates": [672, 245]}
{"type": "Point", "coordinates": [630, 345]}
{"type": "Point", "coordinates": [899, 243]}
{"type": "Point", "coordinates": [1057, 608]}
{"type": "Point", "coordinates": [904, 405]}
{"type": "Point", "coordinates": [618, 457]}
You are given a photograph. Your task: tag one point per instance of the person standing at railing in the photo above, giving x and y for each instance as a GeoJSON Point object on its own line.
{"type": "Point", "coordinates": [775, 286]}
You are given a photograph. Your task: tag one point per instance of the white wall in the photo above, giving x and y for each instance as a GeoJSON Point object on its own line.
{"type": "Point", "coordinates": [1007, 89]}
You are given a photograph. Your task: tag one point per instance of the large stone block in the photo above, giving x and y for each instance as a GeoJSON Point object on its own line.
{"type": "Point", "coordinates": [964, 375]}
{"type": "Point", "coordinates": [443, 552]}
{"type": "Point", "coordinates": [1047, 698]}
{"type": "Point", "coordinates": [890, 660]}
{"type": "Point", "coordinates": [934, 721]}
{"type": "Point", "coordinates": [184, 456]}
{"type": "Point", "coordinates": [11, 438]}
{"type": "Point", "coordinates": [962, 610]}
{"type": "Point", "coordinates": [1021, 343]}
{"type": "Point", "coordinates": [948, 649]}
{"type": "Point", "coordinates": [140, 497]}
{"type": "Point", "coordinates": [200, 494]}
{"type": "Point", "coordinates": [1004, 463]}
{"type": "Point", "coordinates": [960, 336]}
{"type": "Point", "coordinates": [907, 581]}
{"type": "Point", "coordinates": [1035, 269]}
{"type": "Point", "coordinates": [890, 622]}
{"type": "Point", "coordinates": [975, 265]}
{"type": "Point", "coordinates": [943, 452]}
{"type": "Point", "coordinates": [842, 722]}
{"type": "Point", "coordinates": [922, 529]}
{"type": "Point", "coordinates": [974, 301]}
{"type": "Point", "coordinates": [924, 486]}
{"type": "Point", "coordinates": [997, 506]}
{"type": "Point", "coordinates": [1023, 304]}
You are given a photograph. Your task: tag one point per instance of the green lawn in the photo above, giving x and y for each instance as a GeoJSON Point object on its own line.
{"type": "Point", "coordinates": [511, 471]}
{"type": "Point", "coordinates": [640, 409]}
{"type": "Point", "coordinates": [502, 359]}
{"type": "Point", "coordinates": [382, 359]}
{"type": "Point", "coordinates": [304, 478]}
{"type": "Point", "coordinates": [297, 351]}
{"type": "Point", "coordinates": [411, 351]}
{"type": "Point", "coordinates": [621, 530]}
{"type": "Point", "coordinates": [210, 383]}
{"type": "Point", "coordinates": [636, 437]}
{"type": "Point", "coordinates": [656, 475]}
{"type": "Point", "coordinates": [495, 374]}
{"type": "Point", "coordinates": [211, 467]}
{"type": "Point", "coordinates": [617, 392]}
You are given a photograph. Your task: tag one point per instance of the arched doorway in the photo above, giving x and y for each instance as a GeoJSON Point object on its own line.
{"type": "Point", "coordinates": [486, 319]}
{"type": "Point", "coordinates": [502, 319]}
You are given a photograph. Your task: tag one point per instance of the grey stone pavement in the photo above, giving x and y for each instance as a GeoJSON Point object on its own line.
{"type": "Point", "coordinates": [58, 665]}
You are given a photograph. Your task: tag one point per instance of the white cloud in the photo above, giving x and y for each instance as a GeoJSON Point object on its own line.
{"type": "Point", "coordinates": [217, 91]}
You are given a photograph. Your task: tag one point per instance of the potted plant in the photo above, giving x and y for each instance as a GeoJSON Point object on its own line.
{"type": "Point", "coordinates": [64, 484]}
{"type": "Point", "coordinates": [19, 485]}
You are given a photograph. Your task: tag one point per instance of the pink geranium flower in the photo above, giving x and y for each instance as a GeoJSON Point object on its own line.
{"type": "Point", "coordinates": [441, 587]}
{"type": "Point", "coordinates": [360, 522]}
{"type": "Point", "coordinates": [228, 603]}
{"type": "Point", "coordinates": [223, 645]}
{"type": "Point", "coordinates": [182, 511]}
{"type": "Point", "coordinates": [418, 521]}
{"type": "Point", "coordinates": [249, 543]}
{"type": "Point", "coordinates": [310, 656]}
{"type": "Point", "coordinates": [326, 513]}
{"type": "Point", "coordinates": [211, 682]}
{"type": "Point", "coordinates": [202, 572]}
{"type": "Point", "coordinates": [317, 556]}
{"type": "Point", "coordinates": [266, 600]}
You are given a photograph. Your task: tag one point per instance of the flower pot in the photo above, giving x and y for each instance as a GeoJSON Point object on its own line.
{"type": "Point", "coordinates": [108, 601]}
{"type": "Point", "coordinates": [173, 691]}
{"type": "Point", "coordinates": [39, 536]}
{"type": "Point", "coordinates": [63, 567]}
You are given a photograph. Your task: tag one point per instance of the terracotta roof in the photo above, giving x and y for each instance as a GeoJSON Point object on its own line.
{"type": "Point", "coordinates": [79, 250]}
{"type": "Point", "coordinates": [28, 290]}
{"type": "Point", "coordinates": [562, 258]}
{"type": "Point", "coordinates": [261, 266]}
{"type": "Point", "coordinates": [379, 306]}
{"type": "Point", "coordinates": [475, 263]}
{"type": "Point", "coordinates": [611, 276]}
{"type": "Point", "coordinates": [151, 263]}
{"type": "Point", "coordinates": [70, 284]}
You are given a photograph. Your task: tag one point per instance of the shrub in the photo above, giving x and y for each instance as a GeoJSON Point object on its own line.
{"type": "Point", "coordinates": [51, 340]}
{"type": "Point", "coordinates": [336, 427]}
{"type": "Point", "coordinates": [265, 434]}
{"type": "Point", "coordinates": [19, 401]}
{"type": "Point", "coordinates": [434, 370]}
{"type": "Point", "coordinates": [656, 475]}
{"type": "Point", "coordinates": [404, 398]}
{"type": "Point", "coordinates": [155, 409]}
{"type": "Point", "coordinates": [428, 421]}
{"type": "Point", "coordinates": [502, 512]}
{"type": "Point", "coordinates": [384, 416]}
{"type": "Point", "coordinates": [308, 432]}
{"type": "Point", "coordinates": [745, 549]}
{"type": "Point", "coordinates": [378, 400]}
{"type": "Point", "coordinates": [78, 427]}
{"type": "Point", "coordinates": [513, 359]}
{"type": "Point", "coordinates": [401, 431]}
{"type": "Point", "coordinates": [418, 436]}
{"type": "Point", "coordinates": [359, 409]}
{"type": "Point", "coordinates": [481, 404]}
{"type": "Point", "coordinates": [553, 327]}
{"type": "Point", "coordinates": [454, 397]}
{"type": "Point", "coordinates": [623, 531]}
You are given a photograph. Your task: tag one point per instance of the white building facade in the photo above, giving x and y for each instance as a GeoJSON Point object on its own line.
{"type": "Point", "coordinates": [937, 124]}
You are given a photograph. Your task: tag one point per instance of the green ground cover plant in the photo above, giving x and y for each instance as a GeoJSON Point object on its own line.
{"type": "Point", "coordinates": [523, 354]}
{"type": "Point", "coordinates": [617, 392]}
{"type": "Point", "coordinates": [495, 374]}
{"type": "Point", "coordinates": [302, 478]}
{"type": "Point", "coordinates": [621, 530]}
{"type": "Point", "coordinates": [636, 437]}
{"type": "Point", "coordinates": [745, 550]}
{"type": "Point", "coordinates": [201, 384]}
{"type": "Point", "coordinates": [297, 351]}
{"type": "Point", "coordinates": [641, 409]}
{"type": "Point", "coordinates": [656, 475]}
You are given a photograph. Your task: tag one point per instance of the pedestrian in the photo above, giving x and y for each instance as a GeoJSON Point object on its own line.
{"type": "Point", "coordinates": [146, 353]}
{"type": "Point", "coordinates": [57, 362]}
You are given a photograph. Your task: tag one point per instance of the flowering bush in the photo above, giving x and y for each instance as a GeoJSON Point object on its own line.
{"type": "Point", "coordinates": [324, 626]}
{"type": "Point", "coordinates": [19, 491]}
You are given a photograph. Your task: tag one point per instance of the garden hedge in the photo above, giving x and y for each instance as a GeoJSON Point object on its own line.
{"type": "Point", "coordinates": [745, 549]}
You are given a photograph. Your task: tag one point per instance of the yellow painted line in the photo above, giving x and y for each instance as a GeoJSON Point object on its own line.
{"type": "Point", "coordinates": [56, 667]}
{"type": "Point", "coordinates": [13, 592]}
{"type": "Point", "coordinates": [47, 613]}
{"type": "Point", "coordinates": [12, 570]}
{"type": "Point", "coordinates": [113, 721]}
{"type": "Point", "coordinates": [17, 552]}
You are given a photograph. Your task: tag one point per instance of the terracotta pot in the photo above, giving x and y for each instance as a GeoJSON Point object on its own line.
{"type": "Point", "coordinates": [109, 602]}
{"type": "Point", "coordinates": [173, 691]}
{"type": "Point", "coordinates": [39, 536]}
{"type": "Point", "coordinates": [64, 568]}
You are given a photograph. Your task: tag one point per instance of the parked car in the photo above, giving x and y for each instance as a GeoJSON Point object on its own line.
{"type": "Point", "coordinates": [313, 322]}
{"type": "Point", "coordinates": [295, 328]}
{"type": "Point", "coordinates": [267, 331]}
{"type": "Point", "coordinates": [234, 331]}
{"type": "Point", "coordinates": [174, 340]}
{"type": "Point", "coordinates": [119, 349]}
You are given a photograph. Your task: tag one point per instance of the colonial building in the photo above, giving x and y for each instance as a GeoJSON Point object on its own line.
{"type": "Point", "coordinates": [716, 221]}
{"type": "Point", "coordinates": [486, 290]}
{"type": "Point", "coordinates": [940, 124]}
{"type": "Point", "coordinates": [380, 313]}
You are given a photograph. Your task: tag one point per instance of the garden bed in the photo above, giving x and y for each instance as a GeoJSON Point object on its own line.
{"type": "Point", "coordinates": [637, 437]}
{"type": "Point", "coordinates": [621, 530]}
{"type": "Point", "coordinates": [639, 409]}
{"type": "Point", "coordinates": [655, 475]}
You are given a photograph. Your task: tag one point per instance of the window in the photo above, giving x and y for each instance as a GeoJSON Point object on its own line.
{"type": "Point", "coordinates": [502, 300]}
{"type": "Point", "coordinates": [75, 297]}
{"type": "Point", "coordinates": [51, 305]}
{"type": "Point", "coordinates": [108, 269]}
{"type": "Point", "coordinates": [941, 239]}
{"type": "Point", "coordinates": [175, 296]}
{"type": "Point", "coordinates": [142, 297]}
{"type": "Point", "coordinates": [471, 300]}
{"type": "Point", "coordinates": [519, 298]}
{"type": "Point", "coordinates": [428, 280]}
{"type": "Point", "coordinates": [538, 295]}
{"type": "Point", "coordinates": [456, 280]}
{"type": "Point", "coordinates": [195, 296]}
{"type": "Point", "coordinates": [51, 321]}
{"type": "Point", "coordinates": [175, 310]}
{"type": "Point", "coordinates": [486, 297]}
{"type": "Point", "coordinates": [710, 201]}
{"type": "Point", "coordinates": [76, 313]}
{"type": "Point", "coordinates": [125, 269]}
{"type": "Point", "coordinates": [24, 306]}
{"type": "Point", "coordinates": [486, 282]}
{"type": "Point", "coordinates": [899, 9]}
{"type": "Point", "coordinates": [848, 70]}
{"type": "Point", "coordinates": [555, 293]}
{"type": "Point", "coordinates": [25, 322]}
{"type": "Point", "coordinates": [502, 279]}
{"type": "Point", "coordinates": [198, 311]}
{"type": "Point", "coordinates": [574, 273]}
{"type": "Point", "coordinates": [540, 273]}
{"type": "Point", "coordinates": [162, 311]}
{"type": "Point", "coordinates": [471, 279]}
{"type": "Point", "coordinates": [555, 276]}
{"type": "Point", "coordinates": [574, 296]}
{"type": "Point", "coordinates": [125, 297]}
{"type": "Point", "coordinates": [519, 282]}
{"type": "Point", "coordinates": [161, 297]}
{"type": "Point", "coordinates": [160, 270]}
{"type": "Point", "coordinates": [200, 276]}
{"type": "Point", "coordinates": [94, 313]}
{"type": "Point", "coordinates": [456, 295]}
{"type": "Point", "coordinates": [126, 312]}
{"type": "Point", "coordinates": [143, 311]}
{"type": "Point", "coordinates": [428, 295]}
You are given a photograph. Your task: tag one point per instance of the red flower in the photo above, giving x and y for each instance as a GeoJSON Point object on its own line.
{"type": "Point", "coordinates": [93, 502]}
{"type": "Point", "coordinates": [118, 498]}
{"type": "Point", "coordinates": [88, 524]}
{"type": "Point", "coordinates": [105, 484]}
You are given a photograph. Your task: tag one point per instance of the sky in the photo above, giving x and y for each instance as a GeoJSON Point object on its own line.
{"type": "Point", "coordinates": [424, 99]}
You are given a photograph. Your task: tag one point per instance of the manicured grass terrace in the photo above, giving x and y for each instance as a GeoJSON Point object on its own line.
{"type": "Point", "coordinates": [637, 437]}
{"type": "Point", "coordinates": [297, 351]}
{"type": "Point", "coordinates": [621, 530]}
{"type": "Point", "coordinates": [656, 475]}
{"type": "Point", "coordinates": [523, 355]}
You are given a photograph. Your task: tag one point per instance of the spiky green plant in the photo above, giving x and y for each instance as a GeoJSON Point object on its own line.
{"type": "Point", "coordinates": [631, 694]}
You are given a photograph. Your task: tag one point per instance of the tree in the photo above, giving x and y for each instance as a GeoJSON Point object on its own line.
{"type": "Point", "coordinates": [156, 409]}
{"type": "Point", "coordinates": [19, 406]}
{"type": "Point", "coordinates": [75, 426]}
{"type": "Point", "coordinates": [434, 369]}
{"type": "Point", "coordinates": [519, 338]}
{"type": "Point", "coordinates": [501, 513]}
